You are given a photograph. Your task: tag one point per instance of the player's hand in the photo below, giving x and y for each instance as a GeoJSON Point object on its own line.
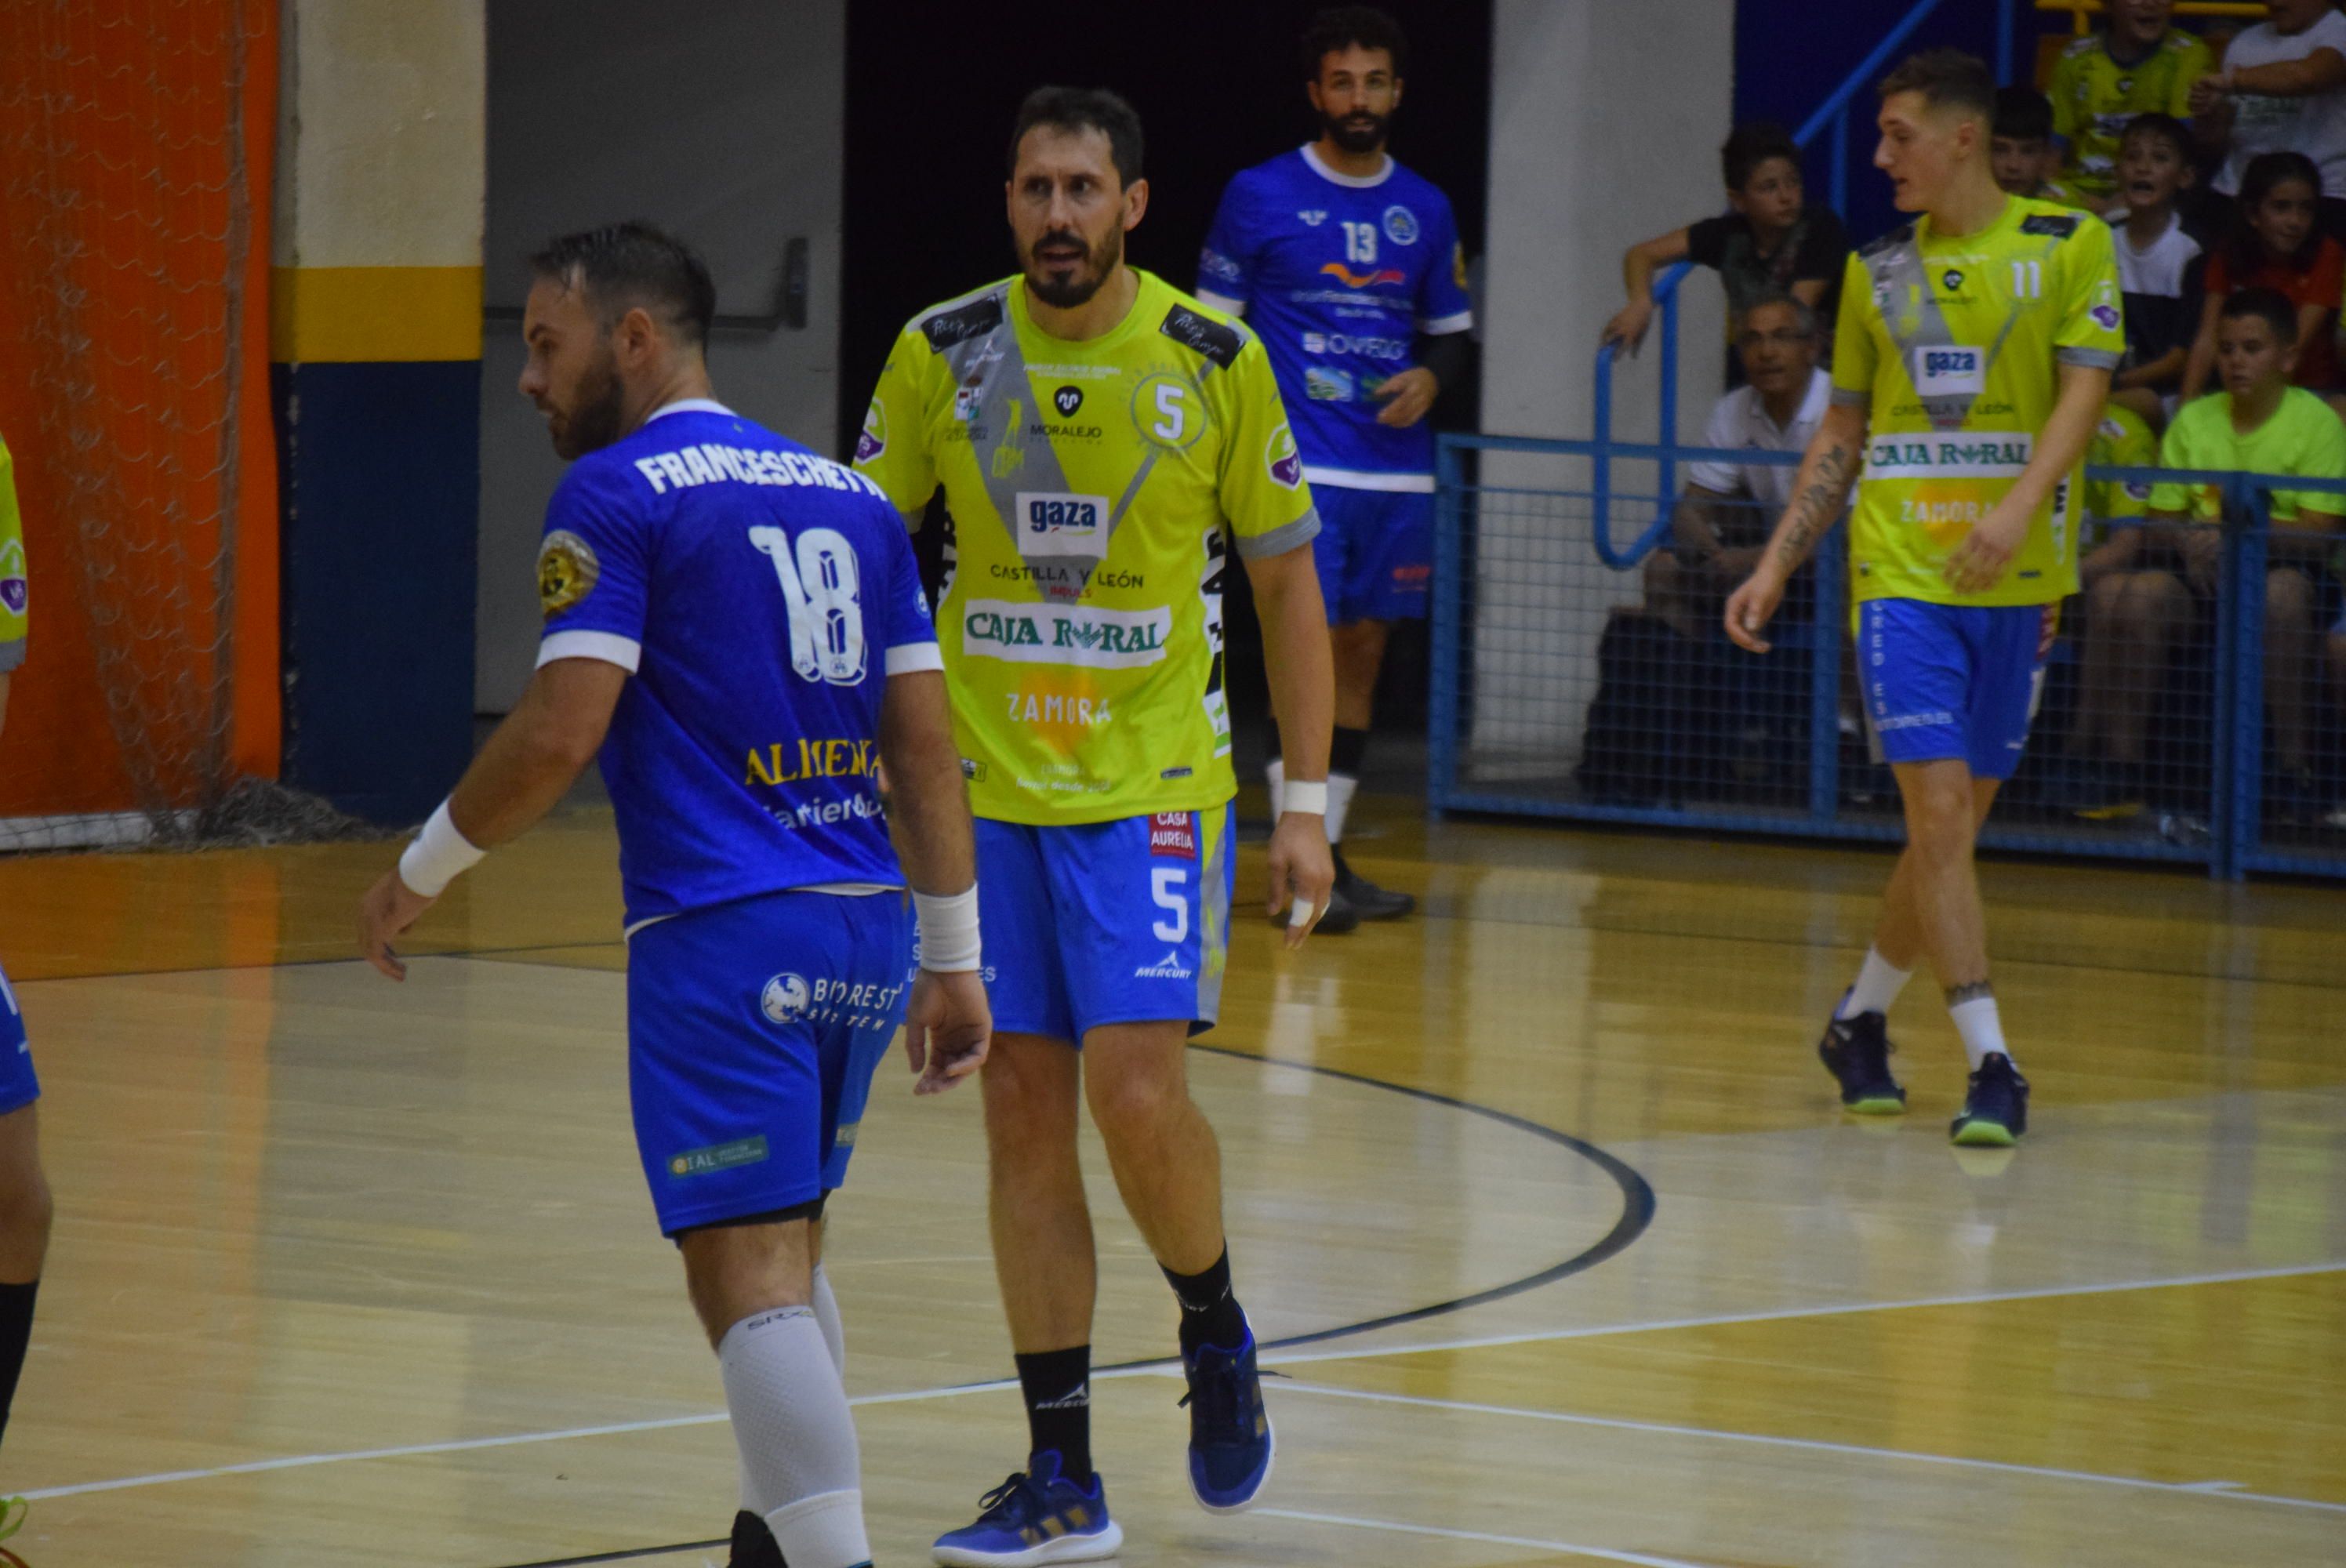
{"type": "Point", "coordinates": [1626, 330]}
{"type": "Point", "coordinates": [1753, 606]}
{"type": "Point", "coordinates": [1979, 561]}
{"type": "Point", "coordinates": [948, 1028]}
{"type": "Point", "coordinates": [2203, 558]}
{"type": "Point", "coordinates": [386, 912]}
{"type": "Point", "coordinates": [1302, 873]}
{"type": "Point", "coordinates": [1407, 397]}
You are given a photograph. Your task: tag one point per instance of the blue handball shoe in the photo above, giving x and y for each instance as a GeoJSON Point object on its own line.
{"type": "Point", "coordinates": [1034, 1518]}
{"type": "Point", "coordinates": [1230, 1430]}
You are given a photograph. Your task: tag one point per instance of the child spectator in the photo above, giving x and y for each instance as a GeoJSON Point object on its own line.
{"type": "Point", "coordinates": [2283, 89]}
{"type": "Point", "coordinates": [2258, 424]}
{"type": "Point", "coordinates": [1770, 241]}
{"type": "Point", "coordinates": [2140, 64]}
{"type": "Point", "coordinates": [2020, 146]}
{"type": "Point", "coordinates": [2159, 266]}
{"type": "Point", "coordinates": [2275, 245]}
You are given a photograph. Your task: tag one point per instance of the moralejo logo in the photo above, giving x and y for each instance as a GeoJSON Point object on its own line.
{"type": "Point", "coordinates": [874, 438]}
{"type": "Point", "coordinates": [1280, 456]}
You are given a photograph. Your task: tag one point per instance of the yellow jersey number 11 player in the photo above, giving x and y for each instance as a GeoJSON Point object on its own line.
{"type": "Point", "coordinates": [1103, 442]}
{"type": "Point", "coordinates": [744, 621]}
{"type": "Point", "coordinates": [1974, 353]}
{"type": "Point", "coordinates": [24, 1204]}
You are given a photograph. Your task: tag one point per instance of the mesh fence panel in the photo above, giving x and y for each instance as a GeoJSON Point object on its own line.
{"type": "Point", "coordinates": [1590, 688]}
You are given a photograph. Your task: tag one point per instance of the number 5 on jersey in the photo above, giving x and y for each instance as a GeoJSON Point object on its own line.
{"type": "Point", "coordinates": [819, 586]}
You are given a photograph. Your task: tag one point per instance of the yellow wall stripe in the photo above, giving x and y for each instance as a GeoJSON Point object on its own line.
{"type": "Point", "coordinates": [353, 315]}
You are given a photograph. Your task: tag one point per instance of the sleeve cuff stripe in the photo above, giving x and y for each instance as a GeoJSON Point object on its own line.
{"type": "Point", "coordinates": [608, 647]}
{"type": "Point", "coordinates": [911, 658]}
{"type": "Point", "coordinates": [1280, 540]}
{"type": "Point", "coordinates": [1222, 302]}
{"type": "Point", "coordinates": [2091, 358]}
{"type": "Point", "coordinates": [1442, 326]}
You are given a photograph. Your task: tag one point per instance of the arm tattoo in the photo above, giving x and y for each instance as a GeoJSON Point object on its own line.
{"type": "Point", "coordinates": [1815, 507]}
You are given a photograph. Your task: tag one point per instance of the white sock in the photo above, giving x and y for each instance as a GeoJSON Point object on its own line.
{"type": "Point", "coordinates": [1276, 777]}
{"type": "Point", "coordinates": [826, 1313]}
{"type": "Point", "coordinates": [800, 1463]}
{"type": "Point", "coordinates": [1982, 1029]}
{"type": "Point", "coordinates": [1879, 981]}
{"type": "Point", "coordinates": [1340, 790]}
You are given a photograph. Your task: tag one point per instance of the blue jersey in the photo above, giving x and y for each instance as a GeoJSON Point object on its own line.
{"type": "Point", "coordinates": [1335, 273]}
{"type": "Point", "coordinates": [761, 596]}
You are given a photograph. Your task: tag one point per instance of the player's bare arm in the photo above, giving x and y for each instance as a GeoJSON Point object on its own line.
{"type": "Point", "coordinates": [1828, 469]}
{"type": "Point", "coordinates": [1303, 694]}
{"type": "Point", "coordinates": [1980, 560]}
{"type": "Point", "coordinates": [529, 763]}
{"type": "Point", "coordinates": [948, 1025]}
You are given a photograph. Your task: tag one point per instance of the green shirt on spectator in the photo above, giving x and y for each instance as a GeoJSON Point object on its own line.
{"type": "Point", "coordinates": [2303, 439]}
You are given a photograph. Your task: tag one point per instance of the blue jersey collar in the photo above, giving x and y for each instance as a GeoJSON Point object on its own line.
{"type": "Point", "coordinates": [687, 405]}
{"type": "Point", "coordinates": [1357, 182]}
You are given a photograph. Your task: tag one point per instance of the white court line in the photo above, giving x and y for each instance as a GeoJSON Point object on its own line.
{"type": "Point", "coordinates": [1833, 1310]}
{"type": "Point", "coordinates": [1814, 1445]}
{"type": "Point", "coordinates": [1608, 1554]}
{"type": "Point", "coordinates": [619, 1428]}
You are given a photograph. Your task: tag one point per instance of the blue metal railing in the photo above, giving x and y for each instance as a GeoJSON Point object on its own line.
{"type": "Point", "coordinates": [2234, 840]}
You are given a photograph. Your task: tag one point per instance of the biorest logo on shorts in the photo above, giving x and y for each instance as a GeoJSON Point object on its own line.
{"type": "Point", "coordinates": [717, 1157]}
{"type": "Point", "coordinates": [1065, 634]}
{"type": "Point", "coordinates": [1944, 372]}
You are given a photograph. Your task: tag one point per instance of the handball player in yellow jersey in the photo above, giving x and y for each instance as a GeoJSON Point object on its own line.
{"type": "Point", "coordinates": [1972, 357]}
{"type": "Point", "coordinates": [1105, 444]}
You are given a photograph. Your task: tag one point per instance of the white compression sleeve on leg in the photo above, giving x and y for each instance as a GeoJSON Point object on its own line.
{"type": "Point", "coordinates": [826, 1314]}
{"type": "Point", "coordinates": [797, 1437]}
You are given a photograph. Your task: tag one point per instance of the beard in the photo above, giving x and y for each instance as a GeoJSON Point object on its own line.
{"type": "Point", "coordinates": [1359, 132]}
{"type": "Point", "coordinates": [593, 421]}
{"type": "Point", "coordinates": [1099, 261]}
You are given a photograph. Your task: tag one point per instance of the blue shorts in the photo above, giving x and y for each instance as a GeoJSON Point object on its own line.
{"type": "Point", "coordinates": [18, 1086]}
{"type": "Point", "coordinates": [753, 1029]}
{"type": "Point", "coordinates": [1375, 553]}
{"type": "Point", "coordinates": [1107, 923]}
{"type": "Point", "coordinates": [1953, 681]}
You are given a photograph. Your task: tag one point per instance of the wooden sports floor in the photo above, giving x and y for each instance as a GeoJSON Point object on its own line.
{"type": "Point", "coordinates": [1570, 1253]}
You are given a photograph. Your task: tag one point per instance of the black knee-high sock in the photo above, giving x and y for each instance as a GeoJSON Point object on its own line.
{"type": "Point", "coordinates": [1058, 1385]}
{"type": "Point", "coordinates": [1209, 1309]}
{"type": "Point", "coordinates": [15, 1333]}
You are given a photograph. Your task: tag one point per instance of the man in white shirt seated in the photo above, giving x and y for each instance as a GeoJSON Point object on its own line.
{"type": "Point", "coordinates": [1723, 519]}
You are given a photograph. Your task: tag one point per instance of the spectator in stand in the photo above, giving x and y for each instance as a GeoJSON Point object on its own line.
{"type": "Point", "coordinates": [2258, 423]}
{"type": "Point", "coordinates": [2161, 268]}
{"type": "Point", "coordinates": [1722, 520]}
{"type": "Point", "coordinates": [2282, 89]}
{"type": "Point", "coordinates": [1770, 241]}
{"type": "Point", "coordinates": [2140, 64]}
{"type": "Point", "coordinates": [2099, 774]}
{"type": "Point", "coordinates": [2021, 149]}
{"type": "Point", "coordinates": [2275, 244]}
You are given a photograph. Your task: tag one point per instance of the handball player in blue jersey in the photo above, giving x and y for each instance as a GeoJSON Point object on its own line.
{"type": "Point", "coordinates": [1349, 268]}
{"type": "Point", "coordinates": [737, 625]}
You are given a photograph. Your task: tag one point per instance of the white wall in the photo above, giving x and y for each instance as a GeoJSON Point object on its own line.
{"type": "Point", "coordinates": [1606, 122]}
{"type": "Point", "coordinates": [722, 119]}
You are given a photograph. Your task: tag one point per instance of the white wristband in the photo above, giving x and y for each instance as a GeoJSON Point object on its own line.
{"type": "Point", "coordinates": [948, 928]}
{"type": "Point", "coordinates": [438, 856]}
{"type": "Point", "coordinates": [1304, 795]}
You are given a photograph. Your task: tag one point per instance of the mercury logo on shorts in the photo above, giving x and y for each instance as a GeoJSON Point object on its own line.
{"type": "Point", "coordinates": [1169, 967]}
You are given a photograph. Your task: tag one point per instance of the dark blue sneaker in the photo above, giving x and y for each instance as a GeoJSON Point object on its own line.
{"type": "Point", "coordinates": [1856, 1052]}
{"type": "Point", "coordinates": [1995, 1112]}
{"type": "Point", "coordinates": [753, 1544]}
{"type": "Point", "coordinates": [1230, 1431]}
{"type": "Point", "coordinates": [1038, 1517]}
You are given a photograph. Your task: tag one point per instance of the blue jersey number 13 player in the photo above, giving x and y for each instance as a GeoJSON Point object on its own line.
{"type": "Point", "coordinates": [743, 620]}
{"type": "Point", "coordinates": [1974, 355]}
{"type": "Point", "coordinates": [1346, 264]}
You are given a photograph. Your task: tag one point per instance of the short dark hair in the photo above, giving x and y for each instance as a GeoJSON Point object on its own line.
{"type": "Point", "coordinates": [1947, 78]}
{"type": "Point", "coordinates": [2268, 305]}
{"type": "Point", "coordinates": [1751, 144]}
{"type": "Point", "coordinates": [2022, 114]}
{"type": "Point", "coordinates": [621, 266]}
{"type": "Point", "coordinates": [1339, 27]}
{"type": "Point", "coordinates": [2166, 127]}
{"type": "Point", "coordinates": [1078, 110]}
